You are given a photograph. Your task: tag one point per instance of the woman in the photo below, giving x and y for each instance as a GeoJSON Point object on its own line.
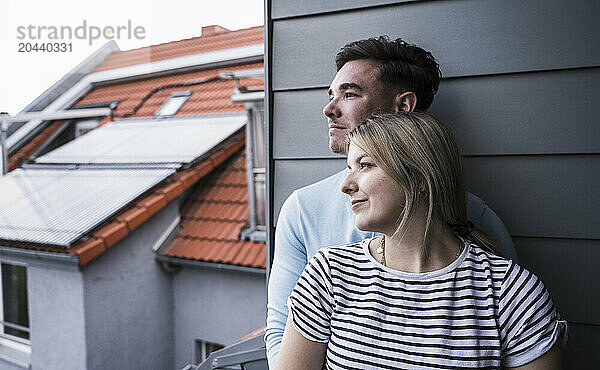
{"type": "Point", "coordinates": [430, 292]}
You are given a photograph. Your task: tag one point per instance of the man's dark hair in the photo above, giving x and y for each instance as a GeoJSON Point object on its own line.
{"type": "Point", "coordinates": [404, 67]}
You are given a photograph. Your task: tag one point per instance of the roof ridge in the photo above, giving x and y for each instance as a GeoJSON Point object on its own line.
{"type": "Point", "coordinates": [228, 33]}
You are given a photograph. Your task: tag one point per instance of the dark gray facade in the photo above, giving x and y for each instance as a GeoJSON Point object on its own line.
{"type": "Point", "coordinates": [519, 89]}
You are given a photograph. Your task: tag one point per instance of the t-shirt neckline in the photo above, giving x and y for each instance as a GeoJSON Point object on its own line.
{"type": "Point", "coordinates": [417, 275]}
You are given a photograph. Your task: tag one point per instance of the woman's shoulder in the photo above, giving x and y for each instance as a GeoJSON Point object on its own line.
{"type": "Point", "coordinates": [483, 264]}
{"type": "Point", "coordinates": [507, 274]}
{"type": "Point", "coordinates": [479, 255]}
{"type": "Point", "coordinates": [344, 253]}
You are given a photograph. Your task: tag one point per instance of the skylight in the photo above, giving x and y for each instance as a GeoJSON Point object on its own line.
{"type": "Point", "coordinates": [173, 104]}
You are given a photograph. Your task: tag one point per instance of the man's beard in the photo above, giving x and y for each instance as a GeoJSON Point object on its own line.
{"type": "Point", "coordinates": [339, 148]}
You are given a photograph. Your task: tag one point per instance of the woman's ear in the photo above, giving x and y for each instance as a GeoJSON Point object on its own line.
{"type": "Point", "coordinates": [406, 102]}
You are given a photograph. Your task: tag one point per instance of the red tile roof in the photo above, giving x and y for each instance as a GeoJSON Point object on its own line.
{"type": "Point", "coordinates": [213, 218]}
{"type": "Point", "coordinates": [119, 226]}
{"type": "Point", "coordinates": [216, 212]}
{"type": "Point", "coordinates": [209, 98]}
{"type": "Point", "coordinates": [208, 41]}
{"type": "Point", "coordinates": [212, 97]}
{"type": "Point", "coordinates": [136, 213]}
{"type": "Point", "coordinates": [30, 147]}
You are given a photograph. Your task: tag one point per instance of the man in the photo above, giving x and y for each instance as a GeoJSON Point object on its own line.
{"type": "Point", "coordinates": [373, 76]}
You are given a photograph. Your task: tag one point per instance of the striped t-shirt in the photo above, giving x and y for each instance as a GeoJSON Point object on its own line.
{"type": "Point", "coordinates": [481, 311]}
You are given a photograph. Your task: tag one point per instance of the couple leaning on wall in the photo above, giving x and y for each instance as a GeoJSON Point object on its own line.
{"type": "Point", "coordinates": [390, 263]}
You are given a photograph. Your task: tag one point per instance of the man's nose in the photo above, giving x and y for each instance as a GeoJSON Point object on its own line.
{"type": "Point", "coordinates": [331, 110]}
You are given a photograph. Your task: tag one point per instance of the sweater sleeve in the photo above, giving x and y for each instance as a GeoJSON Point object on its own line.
{"type": "Point", "coordinates": [529, 323]}
{"type": "Point", "coordinates": [311, 301]}
{"type": "Point", "coordinates": [288, 263]}
{"type": "Point", "coordinates": [487, 220]}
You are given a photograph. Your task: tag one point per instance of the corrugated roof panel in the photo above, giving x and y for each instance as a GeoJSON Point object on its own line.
{"type": "Point", "coordinates": [57, 207]}
{"type": "Point", "coordinates": [176, 140]}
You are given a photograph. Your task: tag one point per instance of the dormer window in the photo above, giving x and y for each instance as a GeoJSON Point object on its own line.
{"type": "Point", "coordinates": [173, 104]}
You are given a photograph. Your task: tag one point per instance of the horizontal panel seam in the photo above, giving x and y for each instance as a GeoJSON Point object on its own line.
{"type": "Point", "coordinates": [293, 158]}
{"type": "Point", "coordinates": [558, 238]}
{"type": "Point", "coordinates": [585, 323]}
{"type": "Point", "coordinates": [307, 158]}
{"type": "Point", "coordinates": [344, 10]}
{"type": "Point", "coordinates": [455, 77]}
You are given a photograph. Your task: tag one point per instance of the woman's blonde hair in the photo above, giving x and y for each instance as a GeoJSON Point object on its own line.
{"type": "Point", "coordinates": [418, 152]}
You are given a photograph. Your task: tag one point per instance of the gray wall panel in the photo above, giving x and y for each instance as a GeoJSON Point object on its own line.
{"type": "Point", "coordinates": [301, 129]}
{"type": "Point", "coordinates": [582, 347]}
{"type": "Point", "coordinates": [548, 196]}
{"type": "Point", "coordinates": [294, 174]}
{"type": "Point", "coordinates": [572, 281]}
{"type": "Point", "coordinates": [467, 37]}
{"type": "Point", "coordinates": [504, 121]}
{"type": "Point", "coordinates": [292, 8]}
{"type": "Point", "coordinates": [508, 114]}
{"type": "Point", "coordinates": [533, 113]}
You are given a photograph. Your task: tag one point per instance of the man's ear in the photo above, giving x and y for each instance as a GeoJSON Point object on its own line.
{"type": "Point", "coordinates": [405, 102]}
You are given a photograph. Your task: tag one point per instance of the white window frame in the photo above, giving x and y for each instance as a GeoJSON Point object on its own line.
{"type": "Point", "coordinates": [181, 96]}
{"type": "Point", "coordinates": [8, 340]}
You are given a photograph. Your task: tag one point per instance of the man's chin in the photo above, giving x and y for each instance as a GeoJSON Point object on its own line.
{"type": "Point", "coordinates": [337, 148]}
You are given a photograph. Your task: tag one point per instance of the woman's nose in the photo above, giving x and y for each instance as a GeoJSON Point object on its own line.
{"type": "Point", "coordinates": [348, 185]}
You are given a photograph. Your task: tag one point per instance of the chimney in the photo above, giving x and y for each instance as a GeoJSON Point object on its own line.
{"type": "Point", "coordinates": [213, 30]}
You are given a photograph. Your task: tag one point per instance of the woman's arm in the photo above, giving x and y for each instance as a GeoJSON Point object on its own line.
{"type": "Point", "coordinates": [551, 360]}
{"type": "Point", "coordinates": [297, 352]}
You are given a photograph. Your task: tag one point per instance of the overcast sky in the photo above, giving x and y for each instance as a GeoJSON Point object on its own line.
{"type": "Point", "coordinates": [25, 75]}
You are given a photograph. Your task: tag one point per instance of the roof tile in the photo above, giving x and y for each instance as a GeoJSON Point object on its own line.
{"type": "Point", "coordinates": [30, 147]}
{"type": "Point", "coordinates": [154, 203]}
{"type": "Point", "coordinates": [89, 250]}
{"type": "Point", "coordinates": [204, 168]}
{"type": "Point", "coordinates": [204, 43]}
{"type": "Point", "coordinates": [172, 190]}
{"type": "Point", "coordinates": [218, 157]}
{"type": "Point", "coordinates": [112, 232]}
{"type": "Point", "coordinates": [134, 217]}
{"type": "Point", "coordinates": [208, 98]}
{"type": "Point", "coordinates": [214, 216]}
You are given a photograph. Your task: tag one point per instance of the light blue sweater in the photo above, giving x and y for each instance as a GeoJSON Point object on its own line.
{"type": "Point", "coordinates": [319, 215]}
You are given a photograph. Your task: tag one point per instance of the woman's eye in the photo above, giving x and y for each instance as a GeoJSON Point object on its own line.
{"type": "Point", "coordinates": [365, 165]}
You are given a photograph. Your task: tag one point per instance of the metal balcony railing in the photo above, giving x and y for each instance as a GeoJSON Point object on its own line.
{"type": "Point", "coordinates": [249, 354]}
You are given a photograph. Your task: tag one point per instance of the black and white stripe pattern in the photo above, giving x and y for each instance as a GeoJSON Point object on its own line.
{"type": "Point", "coordinates": [481, 311]}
